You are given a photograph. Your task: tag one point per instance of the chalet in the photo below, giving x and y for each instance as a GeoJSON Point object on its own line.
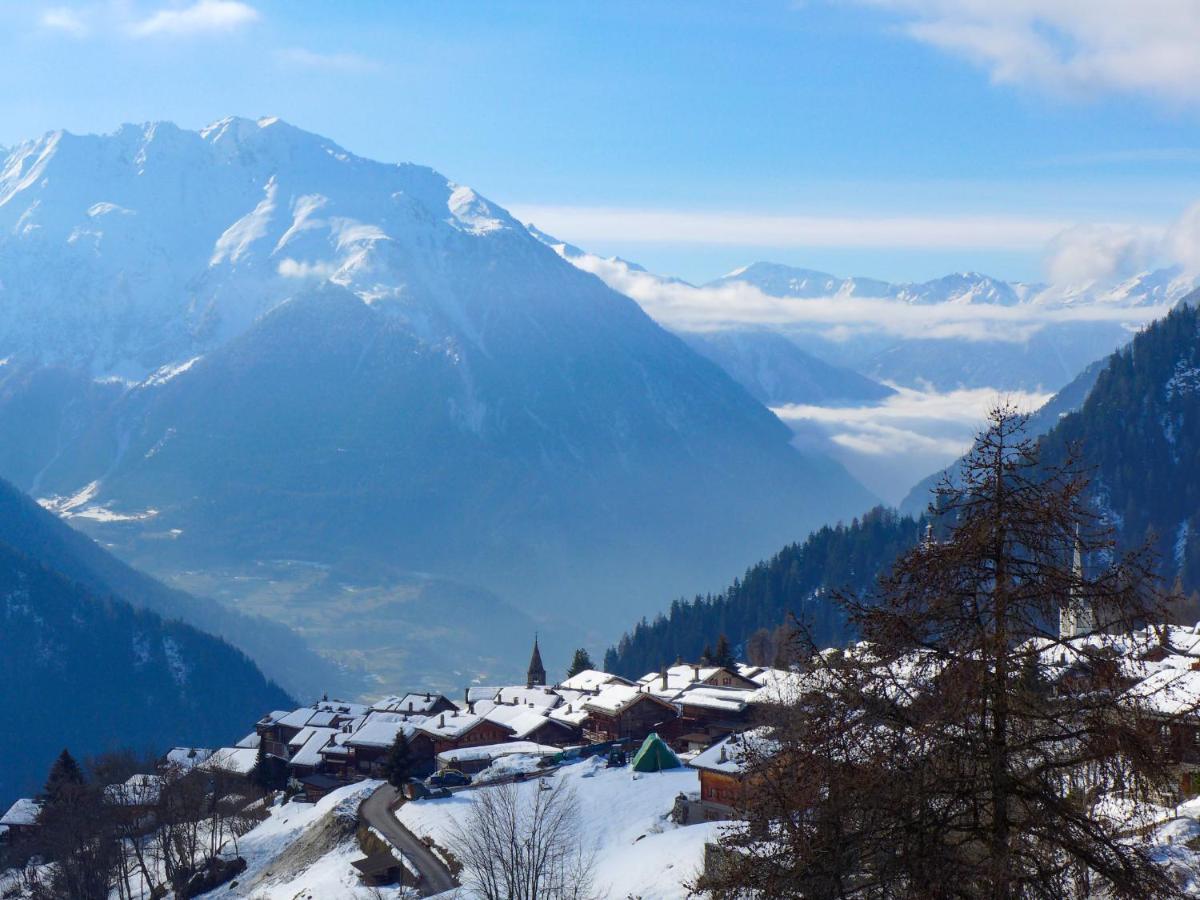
{"type": "Point", "coordinates": [450, 731]}
{"type": "Point", "coordinates": [1173, 696]}
{"type": "Point", "coordinates": [368, 747]}
{"type": "Point", "coordinates": [20, 820]}
{"type": "Point", "coordinates": [233, 760]}
{"type": "Point", "coordinates": [306, 749]}
{"type": "Point", "coordinates": [530, 723]}
{"type": "Point", "coordinates": [137, 794]}
{"type": "Point", "coordinates": [420, 704]}
{"type": "Point", "coordinates": [706, 714]}
{"type": "Point", "coordinates": [184, 759]}
{"type": "Point", "coordinates": [621, 711]}
{"type": "Point", "coordinates": [723, 769]}
{"type": "Point", "coordinates": [276, 729]}
{"type": "Point", "coordinates": [669, 682]}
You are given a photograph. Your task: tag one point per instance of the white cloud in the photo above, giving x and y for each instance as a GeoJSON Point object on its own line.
{"type": "Point", "coordinates": [1090, 253]}
{"type": "Point", "coordinates": [1182, 241]}
{"type": "Point", "coordinates": [894, 444]}
{"type": "Point", "coordinates": [304, 58]}
{"type": "Point", "coordinates": [689, 308]}
{"type": "Point", "coordinates": [68, 21]}
{"type": "Point", "coordinates": [752, 229]}
{"type": "Point", "coordinates": [1068, 46]}
{"type": "Point", "coordinates": [203, 17]}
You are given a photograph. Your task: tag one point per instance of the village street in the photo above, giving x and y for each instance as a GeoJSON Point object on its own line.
{"type": "Point", "coordinates": [376, 811]}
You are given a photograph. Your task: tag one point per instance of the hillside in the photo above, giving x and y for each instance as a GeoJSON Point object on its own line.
{"type": "Point", "coordinates": [777, 372]}
{"type": "Point", "coordinates": [87, 671]}
{"type": "Point", "coordinates": [796, 581]}
{"type": "Point", "coordinates": [1139, 430]}
{"type": "Point", "coordinates": [37, 534]}
{"type": "Point", "coordinates": [334, 364]}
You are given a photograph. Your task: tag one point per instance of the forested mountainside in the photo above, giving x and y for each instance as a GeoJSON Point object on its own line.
{"type": "Point", "coordinates": [31, 530]}
{"type": "Point", "coordinates": [1139, 431]}
{"type": "Point", "coordinates": [797, 580]}
{"type": "Point", "coordinates": [87, 671]}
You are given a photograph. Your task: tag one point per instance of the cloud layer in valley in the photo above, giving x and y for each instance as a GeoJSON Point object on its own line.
{"type": "Point", "coordinates": [892, 445]}
{"type": "Point", "coordinates": [690, 308]}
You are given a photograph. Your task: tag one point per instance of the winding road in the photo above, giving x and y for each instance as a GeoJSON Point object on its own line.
{"type": "Point", "coordinates": [376, 811]}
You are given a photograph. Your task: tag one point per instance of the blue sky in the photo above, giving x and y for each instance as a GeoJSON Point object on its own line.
{"type": "Point", "coordinates": [933, 135]}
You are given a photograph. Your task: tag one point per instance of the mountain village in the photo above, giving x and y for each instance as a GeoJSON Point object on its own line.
{"type": "Point", "coordinates": [668, 756]}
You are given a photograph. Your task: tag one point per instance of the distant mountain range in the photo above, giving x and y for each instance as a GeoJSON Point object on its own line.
{"type": "Point", "coordinates": [1043, 358]}
{"type": "Point", "coordinates": [246, 357]}
{"type": "Point", "coordinates": [81, 667]}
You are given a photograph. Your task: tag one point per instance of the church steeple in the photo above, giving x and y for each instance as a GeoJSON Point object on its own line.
{"type": "Point", "coordinates": [536, 676]}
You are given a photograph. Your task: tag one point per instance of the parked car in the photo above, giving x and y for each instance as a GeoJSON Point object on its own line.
{"type": "Point", "coordinates": [448, 778]}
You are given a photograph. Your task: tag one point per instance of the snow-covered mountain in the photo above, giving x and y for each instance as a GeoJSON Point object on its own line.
{"type": "Point", "coordinates": [340, 362]}
{"type": "Point", "coordinates": [1152, 288]}
{"type": "Point", "coordinates": [779, 280]}
{"type": "Point", "coordinates": [963, 330]}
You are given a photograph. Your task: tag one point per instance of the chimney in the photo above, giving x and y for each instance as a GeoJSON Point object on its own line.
{"type": "Point", "coordinates": [410, 709]}
{"type": "Point", "coordinates": [442, 721]}
{"type": "Point", "coordinates": [722, 758]}
{"type": "Point", "coordinates": [664, 679]}
{"type": "Point", "coordinates": [427, 697]}
{"type": "Point", "coordinates": [471, 707]}
{"type": "Point", "coordinates": [466, 695]}
{"type": "Point", "coordinates": [695, 673]}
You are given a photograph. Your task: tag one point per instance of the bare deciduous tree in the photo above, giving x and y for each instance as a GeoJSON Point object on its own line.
{"type": "Point", "coordinates": [962, 749]}
{"type": "Point", "coordinates": [525, 844]}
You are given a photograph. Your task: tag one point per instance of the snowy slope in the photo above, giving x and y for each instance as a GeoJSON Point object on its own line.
{"type": "Point", "coordinates": [639, 851]}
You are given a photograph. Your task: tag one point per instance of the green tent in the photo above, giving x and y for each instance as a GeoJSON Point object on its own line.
{"type": "Point", "coordinates": [655, 755]}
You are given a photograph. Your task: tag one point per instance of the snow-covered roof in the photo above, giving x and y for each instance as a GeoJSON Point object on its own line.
{"type": "Point", "coordinates": [381, 732]}
{"type": "Point", "coordinates": [520, 695]}
{"type": "Point", "coordinates": [729, 755]}
{"type": "Point", "coordinates": [495, 751]}
{"type": "Point", "coordinates": [238, 760]}
{"type": "Point", "coordinates": [572, 713]}
{"type": "Point", "coordinates": [522, 720]}
{"type": "Point", "coordinates": [252, 740]}
{"type": "Point", "coordinates": [275, 715]}
{"type": "Point", "coordinates": [615, 698]}
{"type": "Point", "coordinates": [310, 753]}
{"type": "Point", "coordinates": [23, 812]}
{"type": "Point", "coordinates": [1169, 692]}
{"type": "Point", "coordinates": [449, 724]}
{"type": "Point", "coordinates": [677, 678]}
{"type": "Point", "coordinates": [482, 692]}
{"type": "Point", "coordinates": [138, 790]}
{"type": "Point", "coordinates": [590, 681]}
{"type": "Point", "coordinates": [186, 757]}
{"type": "Point", "coordinates": [731, 700]}
{"type": "Point", "coordinates": [421, 702]}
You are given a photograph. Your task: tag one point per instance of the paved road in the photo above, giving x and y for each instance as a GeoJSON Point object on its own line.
{"type": "Point", "coordinates": [376, 810]}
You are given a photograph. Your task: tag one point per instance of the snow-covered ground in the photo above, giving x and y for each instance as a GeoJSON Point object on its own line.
{"type": "Point", "coordinates": [639, 851]}
{"type": "Point", "coordinates": [303, 852]}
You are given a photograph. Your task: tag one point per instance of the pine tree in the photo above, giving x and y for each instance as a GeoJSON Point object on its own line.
{"type": "Point", "coordinates": [65, 776]}
{"type": "Point", "coordinates": [706, 655]}
{"type": "Point", "coordinates": [723, 655]}
{"type": "Point", "coordinates": [580, 663]}
{"type": "Point", "coordinates": [398, 765]}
